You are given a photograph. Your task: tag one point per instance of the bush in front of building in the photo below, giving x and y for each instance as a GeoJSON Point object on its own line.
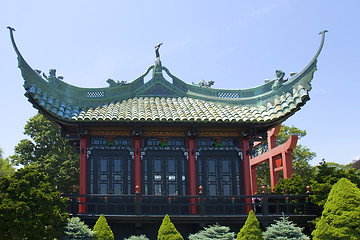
{"type": "Point", "coordinates": [133, 237]}
{"type": "Point", "coordinates": [213, 232]}
{"type": "Point", "coordinates": [341, 215]}
{"type": "Point", "coordinates": [251, 229]}
{"type": "Point", "coordinates": [284, 229]}
{"type": "Point", "coordinates": [167, 230]}
{"type": "Point", "coordinates": [76, 229]}
{"type": "Point", "coordinates": [102, 229]}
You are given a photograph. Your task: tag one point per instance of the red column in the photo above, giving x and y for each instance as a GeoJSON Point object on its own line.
{"type": "Point", "coordinates": [287, 164]}
{"type": "Point", "coordinates": [83, 172]}
{"type": "Point", "coordinates": [137, 164]}
{"type": "Point", "coordinates": [253, 180]}
{"type": "Point", "coordinates": [192, 174]}
{"type": "Point", "coordinates": [274, 176]}
{"type": "Point", "coordinates": [246, 173]}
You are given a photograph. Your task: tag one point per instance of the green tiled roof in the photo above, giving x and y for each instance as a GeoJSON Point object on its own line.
{"type": "Point", "coordinates": [158, 100]}
{"type": "Point", "coordinates": [150, 109]}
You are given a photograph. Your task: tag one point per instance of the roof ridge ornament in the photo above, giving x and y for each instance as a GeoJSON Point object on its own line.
{"type": "Point", "coordinates": [158, 67]}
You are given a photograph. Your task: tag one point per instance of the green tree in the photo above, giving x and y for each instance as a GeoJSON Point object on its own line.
{"type": "Point", "coordinates": [140, 237]}
{"type": "Point", "coordinates": [5, 167]}
{"type": "Point", "coordinates": [30, 207]}
{"type": "Point", "coordinates": [326, 175]}
{"type": "Point", "coordinates": [48, 152]}
{"type": "Point", "coordinates": [251, 230]}
{"type": "Point", "coordinates": [341, 216]}
{"type": "Point", "coordinates": [167, 230]}
{"type": "Point", "coordinates": [76, 229]}
{"type": "Point", "coordinates": [284, 229]}
{"type": "Point", "coordinates": [294, 185]}
{"type": "Point", "coordinates": [213, 232]}
{"type": "Point", "coordinates": [300, 158]}
{"type": "Point", "coordinates": [102, 229]}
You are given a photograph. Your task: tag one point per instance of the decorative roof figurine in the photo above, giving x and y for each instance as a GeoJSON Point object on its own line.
{"type": "Point", "coordinates": [158, 67]}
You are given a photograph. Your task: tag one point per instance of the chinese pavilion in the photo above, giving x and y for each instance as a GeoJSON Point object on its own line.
{"type": "Point", "coordinates": [162, 138]}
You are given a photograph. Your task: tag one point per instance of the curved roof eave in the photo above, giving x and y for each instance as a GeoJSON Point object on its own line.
{"type": "Point", "coordinates": [266, 104]}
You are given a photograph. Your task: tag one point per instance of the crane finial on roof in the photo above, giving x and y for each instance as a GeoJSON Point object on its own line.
{"type": "Point", "coordinates": [157, 50]}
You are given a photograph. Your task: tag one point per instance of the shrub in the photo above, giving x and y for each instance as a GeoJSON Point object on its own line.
{"type": "Point", "coordinates": [284, 229]}
{"type": "Point", "coordinates": [102, 229]}
{"type": "Point", "coordinates": [251, 230]}
{"type": "Point", "coordinates": [30, 207]}
{"type": "Point", "coordinates": [341, 215]}
{"type": "Point", "coordinates": [167, 230]}
{"type": "Point", "coordinates": [141, 237]}
{"type": "Point", "coordinates": [76, 229]}
{"type": "Point", "coordinates": [213, 232]}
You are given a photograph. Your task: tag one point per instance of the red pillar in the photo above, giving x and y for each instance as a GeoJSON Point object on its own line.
{"type": "Point", "coordinates": [246, 173]}
{"type": "Point", "coordinates": [83, 172]}
{"type": "Point", "coordinates": [253, 180]}
{"type": "Point", "coordinates": [137, 164]}
{"type": "Point", "coordinates": [274, 176]}
{"type": "Point", "coordinates": [287, 164]}
{"type": "Point", "coordinates": [192, 174]}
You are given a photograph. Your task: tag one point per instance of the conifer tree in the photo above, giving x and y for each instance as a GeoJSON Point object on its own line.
{"type": "Point", "coordinates": [140, 237]}
{"type": "Point", "coordinates": [76, 229]}
{"type": "Point", "coordinates": [341, 215]}
{"type": "Point", "coordinates": [102, 229]}
{"type": "Point", "coordinates": [251, 230]}
{"type": "Point", "coordinates": [284, 229]}
{"type": "Point", "coordinates": [167, 230]}
{"type": "Point", "coordinates": [213, 232]}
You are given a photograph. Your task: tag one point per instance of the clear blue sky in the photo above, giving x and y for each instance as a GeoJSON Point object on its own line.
{"type": "Point", "coordinates": [235, 43]}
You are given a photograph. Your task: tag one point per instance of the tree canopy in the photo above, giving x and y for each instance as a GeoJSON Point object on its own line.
{"type": "Point", "coordinates": [76, 229]}
{"type": "Point", "coordinates": [326, 175]}
{"type": "Point", "coordinates": [102, 229]}
{"type": "Point", "coordinates": [213, 232]}
{"type": "Point", "coordinates": [30, 207]}
{"type": "Point", "coordinates": [167, 230]}
{"type": "Point", "coordinates": [5, 167]}
{"type": "Point", "coordinates": [251, 229]}
{"type": "Point", "coordinates": [341, 216]}
{"type": "Point", "coordinates": [48, 152]}
{"type": "Point", "coordinates": [284, 229]}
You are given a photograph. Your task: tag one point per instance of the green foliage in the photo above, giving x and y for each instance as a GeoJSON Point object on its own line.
{"type": "Point", "coordinates": [5, 167]}
{"type": "Point", "coordinates": [133, 237]}
{"type": "Point", "coordinates": [213, 232]}
{"type": "Point", "coordinates": [356, 164]}
{"type": "Point", "coordinates": [284, 229]}
{"type": "Point", "coordinates": [341, 216]}
{"type": "Point", "coordinates": [300, 158]}
{"type": "Point", "coordinates": [294, 185]}
{"type": "Point", "coordinates": [30, 207]}
{"type": "Point", "coordinates": [76, 229]}
{"type": "Point", "coordinates": [327, 174]}
{"type": "Point", "coordinates": [48, 152]}
{"type": "Point", "coordinates": [251, 230]}
{"type": "Point", "coordinates": [167, 230]}
{"type": "Point", "coordinates": [102, 229]}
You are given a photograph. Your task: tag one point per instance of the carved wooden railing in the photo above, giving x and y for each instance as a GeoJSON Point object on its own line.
{"type": "Point", "coordinates": [137, 204]}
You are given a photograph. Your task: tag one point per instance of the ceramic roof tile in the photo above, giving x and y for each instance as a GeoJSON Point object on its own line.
{"type": "Point", "coordinates": [154, 109]}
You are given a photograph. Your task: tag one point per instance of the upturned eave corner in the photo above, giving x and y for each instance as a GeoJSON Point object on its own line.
{"type": "Point", "coordinates": [261, 106]}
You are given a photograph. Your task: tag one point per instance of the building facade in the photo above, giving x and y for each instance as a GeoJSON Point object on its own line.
{"type": "Point", "coordinates": [165, 137]}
